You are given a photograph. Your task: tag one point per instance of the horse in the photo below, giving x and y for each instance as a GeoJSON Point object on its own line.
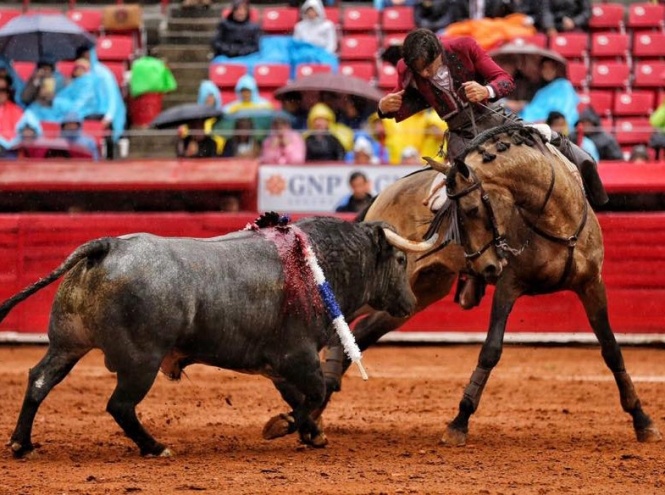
{"type": "Point", "coordinates": [431, 278]}
{"type": "Point", "coordinates": [525, 225]}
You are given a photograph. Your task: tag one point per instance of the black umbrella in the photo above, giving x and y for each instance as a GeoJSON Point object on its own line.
{"type": "Point", "coordinates": [184, 114]}
{"type": "Point", "coordinates": [331, 83]}
{"type": "Point", "coordinates": [33, 37]}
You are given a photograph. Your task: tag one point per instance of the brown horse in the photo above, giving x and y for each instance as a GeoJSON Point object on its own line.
{"type": "Point", "coordinates": [431, 276]}
{"type": "Point", "coordinates": [526, 227]}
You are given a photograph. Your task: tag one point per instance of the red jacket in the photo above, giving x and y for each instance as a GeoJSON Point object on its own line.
{"type": "Point", "coordinates": [466, 61]}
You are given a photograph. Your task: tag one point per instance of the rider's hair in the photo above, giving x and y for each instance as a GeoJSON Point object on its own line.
{"type": "Point", "coordinates": [420, 49]}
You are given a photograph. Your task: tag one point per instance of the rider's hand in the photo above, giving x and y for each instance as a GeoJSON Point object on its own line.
{"type": "Point", "coordinates": [391, 102]}
{"type": "Point", "coordinates": [475, 92]}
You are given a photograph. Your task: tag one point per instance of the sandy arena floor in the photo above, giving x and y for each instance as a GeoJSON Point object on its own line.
{"type": "Point", "coordinates": [549, 423]}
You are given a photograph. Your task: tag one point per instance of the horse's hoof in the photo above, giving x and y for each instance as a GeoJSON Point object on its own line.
{"type": "Point", "coordinates": [319, 441]}
{"type": "Point", "coordinates": [453, 437]}
{"type": "Point", "coordinates": [158, 451]}
{"type": "Point", "coordinates": [20, 451]}
{"type": "Point", "coordinates": [650, 434]}
{"type": "Point", "coordinates": [278, 426]}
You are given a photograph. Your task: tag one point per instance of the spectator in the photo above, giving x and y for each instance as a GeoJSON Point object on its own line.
{"type": "Point", "coordinates": [410, 156]}
{"type": "Point", "coordinates": [10, 115]}
{"type": "Point", "coordinates": [17, 84]}
{"type": "Point", "coordinates": [558, 123]}
{"type": "Point", "coordinates": [195, 142]}
{"type": "Point", "coordinates": [293, 105]}
{"type": "Point", "coordinates": [243, 143]}
{"type": "Point", "coordinates": [247, 96]}
{"type": "Point", "coordinates": [43, 106]}
{"type": "Point", "coordinates": [363, 152]}
{"type": "Point", "coordinates": [436, 15]}
{"type": "Point", "coordinates": [80, 95]}
{"type": "Point", "coordinates": [556, 94]}
{"type": "Point", "coordinates": [230, 203]}
{"type": "Point", "coordinates": [315, 28]}
{"type": "Point", "coordinates": [360, 197]}
{"type": "Point", "coordinates": [639, 154]}
{"type": "Point", "coordinates": [44, 74]}
{"type": "Point", "coordinates": [209, 96]}
{"type": "Point", "coordinates": [320, 142]}
{"type": "Point", "coordinates": [565, 16]}
{"type": "Point", "coordinates": [376, 132]}
{"type": "Point", "coordinates": [28, 129]}
{"type": "Point", "coordinates": [71, 131]}
{"type": "Point", "coordinates": [237, 35]}
{"type": "Point", "coordinates": [380, 4]}
{"type": "Point", "coordinates": [283, 146]}
{"type": "Point", "coordinates": [589, 126]}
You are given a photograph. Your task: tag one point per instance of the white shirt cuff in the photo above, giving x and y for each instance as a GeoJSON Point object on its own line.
{"type": "Point", "coordinates": [491, 92]}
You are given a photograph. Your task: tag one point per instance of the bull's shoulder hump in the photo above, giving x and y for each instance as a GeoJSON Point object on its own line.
{"type": "Point", "coordinates": [153, 237]}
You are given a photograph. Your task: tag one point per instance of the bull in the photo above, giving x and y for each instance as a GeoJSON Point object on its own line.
{"type": "Point", "coordinates": [237, 302]}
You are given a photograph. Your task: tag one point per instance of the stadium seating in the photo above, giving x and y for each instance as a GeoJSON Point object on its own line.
{"type": "Point", "coordinates": [609, 75]}
{"type": "Point", "coordinates": [573, 46]}
{"type": "Point", "coordinates": [279, 20]}
{"type": "Point", "coordinates": [387, 77]}
{"type": "Point", "coordinates": [578, 74]}
{"type": "Point", "coordinates": [362, 70]}
{"type": "Point", "coordinates": [115, 47]}
{"type": "Point", "coordinates": [609, 45]}
{"type": "Point", "coordinates": [360, 19]}
{"type": "Point", "coordinates": [633, 103]}
{"type": "Point", "coordinates": [600, 100]}
{"type": "Point", "coordinates": [65, 67]}
{"type": "Point", "coordinates": [87, 19]}
{"type": "Point", "coordinates": [646, 16]}
{"type": "Point", "coordinates": [304, 70]}
{"type": "Point", "coordinates": [397, 19]}
{"type": "Point", "coordinates": [50, 129]}
{"type": "Point", "coordinates": [538, 39]}
{"type": "Point", "coordinates": [358, 47]}
{"type": "Point", "coordinates": [24, 69]}
{"type": "Point", "coordinates": [647, 44]}
{"type": "Point", "coordinates": [649, 74]}
{"type": "Point", "coordinates": [271, 76]}
{"type": "Point", "coordinates": [630, 131]}
{"type": "Point", "coordinates": [333, 14]}
{"type": "Point", "coordinates": [225, 76]}
{"type": "Point", "coordinates": [392, 39]}
{"type": "Point", "coordinates": [607, 16]}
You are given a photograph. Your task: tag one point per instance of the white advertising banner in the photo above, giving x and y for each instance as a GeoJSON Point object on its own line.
{"type": "Point", "coordinates": [318, 188]}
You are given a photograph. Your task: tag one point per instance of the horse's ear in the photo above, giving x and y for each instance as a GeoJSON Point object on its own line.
{"type": "Point", "coordinates": [463, 168]}
{"type": "Point", "coordinates": [444, 168]}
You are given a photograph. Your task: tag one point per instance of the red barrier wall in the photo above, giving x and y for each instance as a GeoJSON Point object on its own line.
{"type": "Point", "coordinates": [31, 245]}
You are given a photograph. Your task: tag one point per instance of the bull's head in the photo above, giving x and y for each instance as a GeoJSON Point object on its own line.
{"type": "Point", "coordinates": [391, 290]}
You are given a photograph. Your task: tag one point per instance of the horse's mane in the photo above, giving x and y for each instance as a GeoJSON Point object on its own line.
{"type": "Point", "coordinates": [514, 132]}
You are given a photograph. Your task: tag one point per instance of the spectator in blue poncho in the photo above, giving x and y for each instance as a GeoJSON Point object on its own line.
{"type": "Point", "coordinates": [247, 96]}
{"type": "Point", "coordinates": [71, 131]}
{"type": "Point", "coordinates": [557, 94]}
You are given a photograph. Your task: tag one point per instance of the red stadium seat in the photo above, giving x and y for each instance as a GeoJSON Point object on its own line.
{"type": "Point", "coordinates": [648, 44]}
{"type": "Point", "coordinates": [633, 103]}
{"type": "Point", "coordinates": [578, 74]}
{"type": "Point", "coordinates": [50, 129]}
{"type": "Point", "coordinates": [397, 19]}
{"type": "Point", "coordinates": [271, 76]}
{"type": "Point", "coordinates": [646, 16]}
{"type": "Point", "coordinates": [119, 71]}
{"type": "Point", "coordinates": [572, 46]}
{"type": "Point", "coordinates": [607, 16]}
{"type": "Point", "coordinates": [95, 130]}
{"type": "Point", "coordinates": [360, 19]}
{"type": "Point", "coordinates": [7, 15]}
{"type": "Point", "coordinates": [613, 75]}
{"type": "Point", "coordinates": [23, 69]}
{"type": "Point", "coordinates": [606, 45]}
{"type": "Point", "coordinates": [279, 19]}
{"type": "Point", "coordinates": [387, 77]}
{"type": "Point", "coordinates": [632, 131]}
{"type": "Point", "coordinates": [115, 47]}
{"type": "Point", "coordinates": [87, 19]}
{"type": "Point", "coordinates": [304, 70]}
{"type": "Point", "coordinates": [65, 67]}
{"type": "Point", "coordinates": [358, 47]}
{"type": "Point", "coordinates": [600, 100]}
{"type": "Point", "coordinates": [361, 70]}
{"type": "Point", "coordinates": [538, 39]}
{"type": "Point", "coordinates": [226, 75]}
{"type": "Point", "coordinates": [254, 14]}
{"type": "Point", "coordinates": [393, 39]}
{"type": "Point", "coordinates": [649, 74]}
{"type": "Point", "coordinates": [333, 14]}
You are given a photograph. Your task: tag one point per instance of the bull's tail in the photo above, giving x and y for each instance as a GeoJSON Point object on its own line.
{"type": "Point", "coordinates": [93, 249]}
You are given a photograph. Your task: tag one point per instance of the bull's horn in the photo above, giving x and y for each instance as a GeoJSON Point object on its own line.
{"type": "Point", "coordinates": [444, 168]}
{"type": "Point", "coordinates": [410, 246]}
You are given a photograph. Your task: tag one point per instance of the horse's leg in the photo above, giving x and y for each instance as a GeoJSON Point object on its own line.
{"type": "Point", "coordinates": [490, 353]}
{"type": "Point", "coordinates": [594, 299]}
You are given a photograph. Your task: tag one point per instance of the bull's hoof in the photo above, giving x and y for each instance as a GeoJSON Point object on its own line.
{"type": "Point", "coordinates": [278, 426]}
{"type": "Point", "coordinates": [158, 450]}
{"type": "Point", "coordinates": [319, 441]}
{"type": "Point", "coordinates": [20, 451]}
{"type": "Point", "coordinates": [453, 437]}
{"type": "Point", "coordinates": [650, 434]}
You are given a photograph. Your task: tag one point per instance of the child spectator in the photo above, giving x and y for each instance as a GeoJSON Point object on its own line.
{"type": "Point", "coordinates": [243, 143]}
{"type": "Point", "coordinates": [237, 35]}
{"type": "Point", "coordinates": [363, 152]}
{"type": "Point", "coordinates": [320, 142]}
{"type": "Point", "coordinates": [44, 74]}
{"type": "Point", "coordinates": [360, 197]}
{"type": "Point", "coordinates": [315, 28]}
{"type": "Point", "coordinates": [70, 130]}
{"type": "Point", "coordinates": [283, 146]}
{"type": "Point", "coordinates": [558, 123]}
{"type": "Point", "coordinates": [247, 96]}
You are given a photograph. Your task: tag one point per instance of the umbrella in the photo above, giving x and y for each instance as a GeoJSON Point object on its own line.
{"type": "Point", "coordinates": [33, 37]}
{"type": "Point", "coordinates": [183, 114]}
{"type": "Point", "coordinates": [331, 83]}
{"type": "Point", "coordinates": [522, 61]}
{"type": "Point", "coordinates": [261, 118]}
{"type": "Point", "coordinates": [52, 148]}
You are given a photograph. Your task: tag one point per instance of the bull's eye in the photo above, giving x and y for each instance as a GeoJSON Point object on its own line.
{"type": "Point", "coordinates": [401, 258]}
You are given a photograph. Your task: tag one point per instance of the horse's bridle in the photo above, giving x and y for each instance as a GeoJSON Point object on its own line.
{"type": "Point", "coordinates": [499, 239]}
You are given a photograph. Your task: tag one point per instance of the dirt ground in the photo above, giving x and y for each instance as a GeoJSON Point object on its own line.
{"type": "Point", "coordinates": [549, 423]}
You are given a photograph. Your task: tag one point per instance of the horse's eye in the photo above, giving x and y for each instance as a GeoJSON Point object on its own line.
{"type": "Point", "coordinates": [472, 212]}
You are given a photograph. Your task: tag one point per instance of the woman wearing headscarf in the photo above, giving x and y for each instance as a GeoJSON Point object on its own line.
{"type": "Point", "coordinates": [315, 28]}
{"type": "Point", "coordinates": [237, 35]}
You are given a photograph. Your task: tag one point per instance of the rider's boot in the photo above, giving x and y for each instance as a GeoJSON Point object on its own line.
{"type": "Point", "coordinates": [470, 290]}
{"type": "Point", "coordinates": [587, 167]}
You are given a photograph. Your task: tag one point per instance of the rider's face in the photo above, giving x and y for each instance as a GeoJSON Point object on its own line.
{"type": "Point", "coordinates": [428, 71]}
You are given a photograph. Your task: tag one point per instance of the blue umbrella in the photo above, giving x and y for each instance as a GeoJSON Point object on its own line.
{"type": "Point", "coordinates": [33, 37]}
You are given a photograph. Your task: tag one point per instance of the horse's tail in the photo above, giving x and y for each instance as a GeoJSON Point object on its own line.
{"type": "Point", "coordinates": [94, 249]}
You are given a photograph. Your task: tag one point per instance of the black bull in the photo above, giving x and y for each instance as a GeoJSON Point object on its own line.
{"type": "Point", "coordinates": [238, 302]}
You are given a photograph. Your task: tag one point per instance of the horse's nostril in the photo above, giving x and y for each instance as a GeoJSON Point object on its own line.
{"type": "Point", "coordinates": [490, 270]}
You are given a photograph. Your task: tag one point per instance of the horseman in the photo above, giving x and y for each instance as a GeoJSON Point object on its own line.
{"type": "Point", "coordinates": [458, 79]}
